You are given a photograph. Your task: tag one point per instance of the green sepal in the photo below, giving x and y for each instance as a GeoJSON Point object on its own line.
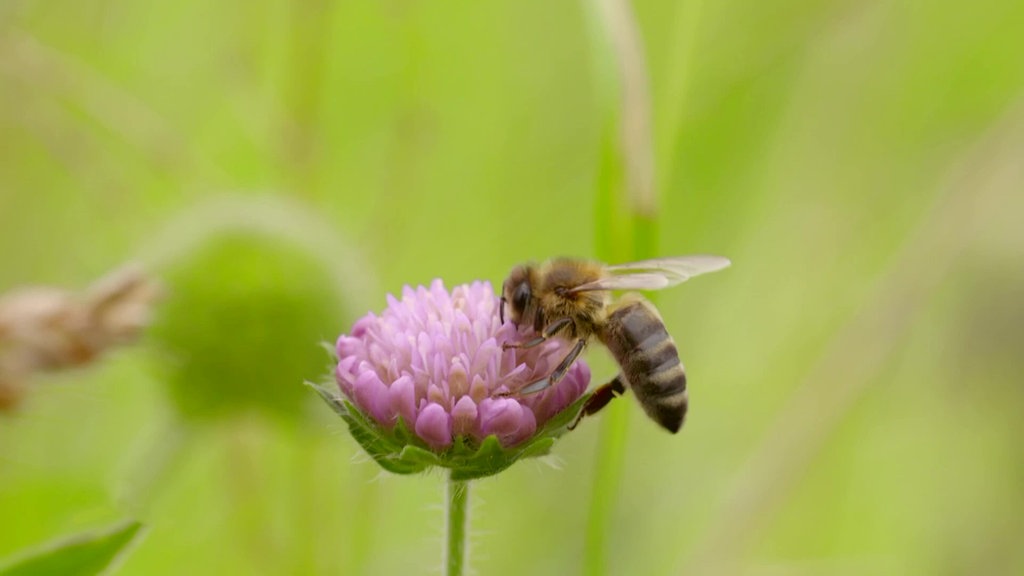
{"type": "Point", "coordinates": [400, 451]}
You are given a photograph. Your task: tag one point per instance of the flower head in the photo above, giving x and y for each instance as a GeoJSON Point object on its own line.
{"type": "Point", "coordinates": [431, 370]}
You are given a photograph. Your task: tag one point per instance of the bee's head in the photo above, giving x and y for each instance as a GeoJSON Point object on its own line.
{"type": "Point", "coordinates": [516, 294]}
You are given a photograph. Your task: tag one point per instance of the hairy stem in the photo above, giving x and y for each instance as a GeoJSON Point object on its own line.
{"type": "Point", "coordinates": [457, 512]}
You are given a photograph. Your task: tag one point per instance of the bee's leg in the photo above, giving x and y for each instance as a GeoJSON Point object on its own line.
{"type": "Point", "coordinates": [548, 332]}
{"type": "Point", "coordinates": [558, 373]}
{"type": "Point", "coordinates": [600, 398]}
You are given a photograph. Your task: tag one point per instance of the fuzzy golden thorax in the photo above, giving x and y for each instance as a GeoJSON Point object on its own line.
{"type": "Point", "coordinates": [540, 295]}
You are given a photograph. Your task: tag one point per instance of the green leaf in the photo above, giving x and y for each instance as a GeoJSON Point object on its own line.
{"type": "Point", "coordinates": [81, 555]}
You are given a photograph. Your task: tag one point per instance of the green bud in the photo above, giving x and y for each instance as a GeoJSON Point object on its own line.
{"type": "Point", "coordinates": [236, 329]}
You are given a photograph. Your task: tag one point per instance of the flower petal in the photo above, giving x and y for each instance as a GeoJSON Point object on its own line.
{"type": "Point", "coordinates": [506, 418]}
{"type": "Point", "coordinates": [402, 397]}
{"type": "Point", "coordinates": [464, 417]}
{"type": "Point", "coordinates": [434, 426]}
{"type": "Point", "coordinates": [371, 395]}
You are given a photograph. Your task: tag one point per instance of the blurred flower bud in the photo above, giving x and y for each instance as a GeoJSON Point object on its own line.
{"type": "Point", "coordinates": [235, 330]}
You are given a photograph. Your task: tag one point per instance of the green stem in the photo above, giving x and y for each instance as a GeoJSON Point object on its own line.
{"type": "Point", "coordinates": [611, 455]}
{"type": "Point", "coordinates": [626, 225]}
{"type": "Point", "coordinates": [457, 504]}
{"type": "Point", "coordinates": [676, 92]}
{"type": "Point", "coordinates": [645, 240]}
{"type": "Point", "coordinates": [152, 470]}
{"type": "Point", "coordinates": [604, 493]}
{"type": "Point", "coordinates": [310, 35]}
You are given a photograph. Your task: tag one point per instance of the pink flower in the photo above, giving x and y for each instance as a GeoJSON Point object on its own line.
{"type": "Point", "coordinates": [435, 360]}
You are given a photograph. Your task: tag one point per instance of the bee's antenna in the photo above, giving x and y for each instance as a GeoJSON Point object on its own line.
{"type": "Point", "coordinates": [501, 310]}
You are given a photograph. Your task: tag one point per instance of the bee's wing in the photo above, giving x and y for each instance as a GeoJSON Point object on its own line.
{"type": "Point", "coordinates": [655, 274]}
{"type": "Point", "coordinates": [688, 266]}
{"type": "Point", "coordinates": [637, 281]}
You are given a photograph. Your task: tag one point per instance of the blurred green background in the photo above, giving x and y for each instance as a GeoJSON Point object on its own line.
{"type": "Point", "coordinates": [855, 378]}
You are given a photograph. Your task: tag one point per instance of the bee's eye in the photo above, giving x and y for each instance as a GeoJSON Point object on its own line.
{"type": "Point", "coordinates": [521, 296]}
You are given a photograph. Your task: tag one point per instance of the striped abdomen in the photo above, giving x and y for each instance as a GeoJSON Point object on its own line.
{"type": "Point", "coordinates": [636, 336]}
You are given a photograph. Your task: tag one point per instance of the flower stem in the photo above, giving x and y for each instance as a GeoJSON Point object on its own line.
{"type": "Point", "coordinates": [457, 505]}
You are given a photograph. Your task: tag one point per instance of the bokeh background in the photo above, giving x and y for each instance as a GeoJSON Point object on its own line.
{"type": "Point", "coordinates": [856, 382]}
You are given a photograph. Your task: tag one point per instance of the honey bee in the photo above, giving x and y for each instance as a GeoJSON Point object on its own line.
{"type": "Point", "coordinates": [571, 299]}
